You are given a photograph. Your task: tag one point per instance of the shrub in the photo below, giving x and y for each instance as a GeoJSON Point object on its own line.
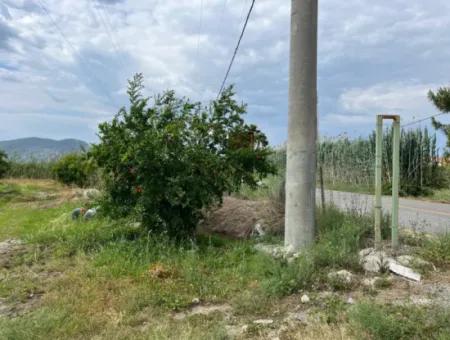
{"type": "Point", "coordinates": [74, 168]}
{"type": "Point", "coordinates": [169, 160]}
{"type": "Point", "coordinates": [4, 164]}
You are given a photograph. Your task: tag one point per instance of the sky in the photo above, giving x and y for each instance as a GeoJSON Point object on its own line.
{"type": "Point", "coordinates": [64, 64]}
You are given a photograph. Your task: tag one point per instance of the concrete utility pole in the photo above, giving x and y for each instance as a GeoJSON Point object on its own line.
{"type": "Point", "coordinates": [302, 129]}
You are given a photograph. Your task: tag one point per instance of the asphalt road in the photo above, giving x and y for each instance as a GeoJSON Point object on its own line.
{"type": "Point", "coordinates": [419, 215]}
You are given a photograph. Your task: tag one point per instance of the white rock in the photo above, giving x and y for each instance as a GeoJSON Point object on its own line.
{"type": "Point", "coordinates": [258, 230]}
{"type": "Point", "coordinates": [374, 261]}
{"type": "Point", "coordinates": [350, 301]}
{"type": "Point", "coordinates": [343, 276]}
{"type": "Point", "coordinates": [195, 301]}
{"type": "Point", "coordinates": [301, 316]}
{"type": "Point", "coordinates": [90, 213]}
{"type": "Point", "coordinates": [369, 282]}
{"type": "Point", "coordinates": [405, 260]}
{"type": "Point", "coordinates": [263, 321]}
{"type": "Point", "coordinates": [304, 298]}
{"type": "Point", "coordinates": [278, 252]}
{"type": "Point", "coordinates": [408, 260]}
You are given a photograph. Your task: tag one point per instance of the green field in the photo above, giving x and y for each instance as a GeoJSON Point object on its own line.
{"type": "Point", "coordinates": [108, 279]}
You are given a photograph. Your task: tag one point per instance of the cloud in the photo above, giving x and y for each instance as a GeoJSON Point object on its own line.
{"type": "Point", "coordinates": [405, 98]}
{"type": "Point", "coordinates": [6, 34]}
{"type": "Point", "coordinates": [373, 57]}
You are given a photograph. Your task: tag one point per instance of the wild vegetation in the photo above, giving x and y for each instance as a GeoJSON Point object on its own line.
{"type": "Point", "coordinates": [4, 164]}
{"type": "Point", "coordinates": [31, 169]}
{"type": "Point", "coordinates": [75, 168]}
{"type": "Point", "coordinates": [350, 162]}
{"type": "Point", "coordinates": [112, 279]}
{"type": "Point", "coordinates": [168, 159]}
{"type": "Point", "coordinates": [130, 272]}
{"type": "Point", "coordinates": [441, 99]}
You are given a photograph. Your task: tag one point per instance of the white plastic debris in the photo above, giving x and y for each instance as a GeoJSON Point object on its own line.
{"type": "Point", "coordinates": [304, 298]}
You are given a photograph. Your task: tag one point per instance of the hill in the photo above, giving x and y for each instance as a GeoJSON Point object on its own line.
{"type": "Point", "coordinates": [34, 148]}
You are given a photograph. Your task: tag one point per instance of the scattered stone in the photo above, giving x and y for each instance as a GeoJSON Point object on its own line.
{"type": "Point", "coordinates": [369, 282]}
{"type": "Point", "coordinates": [278, 252]}
{"type": "Point", "coordinates": [343, 277]}
{"type": "Point", "coordinates": [374, 261]}
{"type": "Point", "coordinates": [77, 213]}
{"type": "Point", "coordinates": [89, 214]}
{"type": "Point", "coordinates": [421, 301]}
{"type": "Point", "coordinates": [202, 310]}
{"type": "Point", "coordinates": [304, 298]}
{"type": "Point", "coordinates": [408, 260]}
{"type": "Point", "coordinates": [405, 260]}
{"type": "Point", "coordinates": [258, 230]}
{"type": "Point", "coordinates": [195, 301]}
{"type": "Point", "coordinates": [350, 301]}
{"type": "Point", "coordinates": [208, 309]}
{"type": "Point", "coordinates": [301, 316]}
{"type": "Point", "coordinates": [263, 322]}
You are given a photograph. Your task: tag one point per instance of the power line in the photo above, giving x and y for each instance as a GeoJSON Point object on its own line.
{"type": "Point", "coordinates": [422, 120]}
{"type": "Point", "coordinates": [236, 49]}
{"type": "Point", "coordinates": [199, 28]}
{"type": "Point", "coordinates": [75, 50]}
{"type": "Point", "coordinates": [103, 19]}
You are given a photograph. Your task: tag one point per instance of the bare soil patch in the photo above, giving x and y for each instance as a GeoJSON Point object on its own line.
{"type": "Point", "coordinates": [9, 249]}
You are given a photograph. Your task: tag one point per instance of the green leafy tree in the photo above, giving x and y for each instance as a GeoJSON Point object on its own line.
{"type": "Point", "coordinates": [4, 164]}
{"type": "Point", "coordinates": [167, 158]}
{"type": "Point", "coordinates": [441, 99]}
{"type": "Point", "coordinates": [75, 168]}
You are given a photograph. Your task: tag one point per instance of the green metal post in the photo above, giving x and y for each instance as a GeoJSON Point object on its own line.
{"type": "Point", "coordinates": [395, 180]}
{"type": "Point", "coordinates": [378, 164]}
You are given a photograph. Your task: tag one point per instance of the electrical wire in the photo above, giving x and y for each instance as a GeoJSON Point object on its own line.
{"type": "Point", "coordinates": [423, 119]}
{"type": "Point", "coordinates": [75, 50]}
{"type": "Point", "coordinates": [236, 49]}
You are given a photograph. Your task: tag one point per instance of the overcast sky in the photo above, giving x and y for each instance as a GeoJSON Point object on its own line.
{"type": "Point", "coordinates": [64, 63]}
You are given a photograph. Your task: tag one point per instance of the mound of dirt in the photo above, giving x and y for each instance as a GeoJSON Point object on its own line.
{"type": "Point", "coordinates": [237, 218]}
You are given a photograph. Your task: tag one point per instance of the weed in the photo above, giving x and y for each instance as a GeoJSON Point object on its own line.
{"type": "Point", "coordinates": [437, 250]}
{"type": "Point", "coordinates": [400, 322]}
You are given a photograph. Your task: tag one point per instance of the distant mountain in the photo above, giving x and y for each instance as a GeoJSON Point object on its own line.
{"type": "Point", "coordinates": [34, 148]}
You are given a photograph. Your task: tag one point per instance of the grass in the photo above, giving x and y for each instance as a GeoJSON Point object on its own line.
{"type": "Point", "coordinates": [437, 250]}
{"type": "Point", "coordinates": [97, 278]}
{"type": "Point", "coordinates": [440, 195]}
{"type": "Point", "coordinates": [389, 322]}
